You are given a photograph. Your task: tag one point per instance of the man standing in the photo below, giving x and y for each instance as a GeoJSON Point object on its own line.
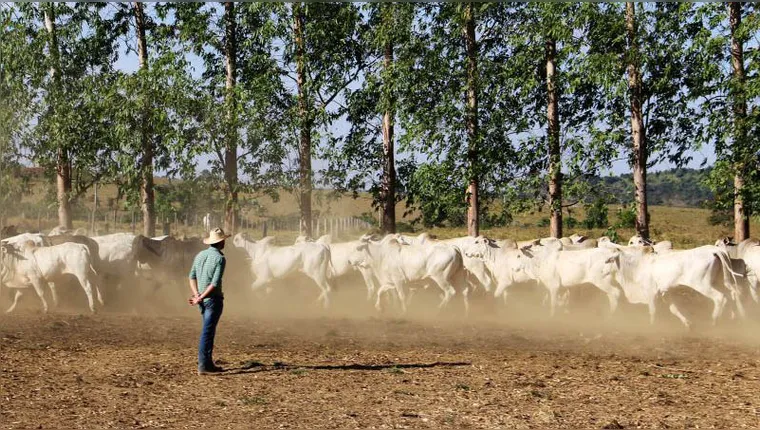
{"type": "Point", "coordinates": [206, 286]}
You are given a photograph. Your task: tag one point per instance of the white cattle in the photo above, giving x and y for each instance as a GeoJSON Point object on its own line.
{"type": "Point", "coordinates": [38, 239]}
{"type": "Point", "coordinates": [270, 262]}
{"type": "Point", "coordinates": [340, 259]}
{"type": "Point", "coordinates": [506, 264]}
{"type": "Point", "coordinates": [658, 247]}
{"type": "Point", "coordinates": [558, 269]}
{"type": "Point", "coordinates": [33, 266]}
{"type": "Point", "coordinates": [646, 275]}
{"type": "Point", "coordinates": [475, 268]}
{"type": "Point", "coordinates": [748, 255]}
{"type": "Point", "coordinates": [118, 256]}
{"type": "Point", "coordinates": [395, 265]}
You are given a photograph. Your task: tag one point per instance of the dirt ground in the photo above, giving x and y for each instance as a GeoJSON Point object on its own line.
{"type": "Point", "coordinates": [324, 369]}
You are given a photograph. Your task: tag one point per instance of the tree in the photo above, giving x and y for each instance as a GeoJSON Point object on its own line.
{"type": "Point", "coordinates": [652, 82]}
{"type": "Point", "coordinates": [240, 83]}
{"type": "Point", "coordinates": [231, 146]}
{"type": "Point", "coordinates": [324, 55]}
{"type": "Point", "coordinates": [471, 117]}
{"type": "Point", "coordinates": [388, 190]}
{"type": "Point", "coordinates": [146, 161]}
{"type": "Point", "coordinates": [63, 165]}
{"type": "Point", "coordinates": [68, 75]}
{"type": "Point", "coordinates": [638, 131]}
{"type": "Point", "coordinates": [555, 154]}
{"type": "Point", "coordinates": [741, 217]}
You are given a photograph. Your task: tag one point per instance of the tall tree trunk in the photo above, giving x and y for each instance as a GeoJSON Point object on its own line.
{"type": "Point", "coordinates": [741, 217]}
{"type": "Point", "coordinates": [473, 224]}
{"type": "Point", "coordinates": [389, 167]}
{"type": "Point", "coordinates": [305, 120]}
{"type": "Point", "coordinates": [146, 161]}
{"type": "Point", "coordinates": [555, 160]}
{"type": "Point", "coordinates": [637, 124]}
{"type": "Point", "coordinates": [231, 146]}
{"type": "Point", "coordinates": [63, 163]}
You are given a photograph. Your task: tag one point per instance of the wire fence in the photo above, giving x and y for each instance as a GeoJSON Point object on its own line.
{"type": "Point", "coordinates": [195, 224]}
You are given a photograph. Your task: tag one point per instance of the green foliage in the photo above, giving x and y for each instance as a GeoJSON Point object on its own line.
{"type": "Point", "coordinates": [596, 214]}
{"type": "Point", "coordinates": [626, 217]}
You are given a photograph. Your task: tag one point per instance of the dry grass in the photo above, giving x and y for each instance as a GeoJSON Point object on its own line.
{"type": "Point", "coordinates": [685, 227]}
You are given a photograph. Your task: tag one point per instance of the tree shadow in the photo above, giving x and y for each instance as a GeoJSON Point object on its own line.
{"type": "Point", "coordinates": [256, 367]}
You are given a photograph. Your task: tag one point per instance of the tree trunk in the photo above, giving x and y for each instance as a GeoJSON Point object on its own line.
{"type": "Point", "coordinates": [146, 162]}
{"type": "Point", "coordinates": [473, 225]}
{"type": "Point", "coordinates": [231, 146]}
{"type": "Point", "coordinates": [63, 164]}
{"type": "Point", "coordinates": [389, 167]}
{"type": "Point", "coordinates": [741, 217]}
{"type": "Point", "coordinates": [305, 120]}
{"type": "Point", "coordinates": [555, 160]}
{"type": "Point", "coordinates": [637, 124]}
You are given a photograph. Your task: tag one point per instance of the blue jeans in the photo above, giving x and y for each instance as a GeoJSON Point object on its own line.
{"type": "Point", "coordinates": [211, 309]}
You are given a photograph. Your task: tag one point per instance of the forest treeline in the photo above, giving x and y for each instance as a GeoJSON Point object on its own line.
{"type": "Point", "coordinates": [465, 112]}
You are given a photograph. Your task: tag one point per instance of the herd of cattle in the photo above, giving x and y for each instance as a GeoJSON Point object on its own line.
{"type": "Point", "coordinates": [640, 273]}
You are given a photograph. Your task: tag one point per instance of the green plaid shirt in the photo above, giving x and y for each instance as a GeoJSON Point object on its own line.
{"type": "Point", "coordinates": [208, 269]}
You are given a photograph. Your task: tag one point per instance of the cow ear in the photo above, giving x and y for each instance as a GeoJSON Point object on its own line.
{"type": "Point", "coordinates": [394, 241]}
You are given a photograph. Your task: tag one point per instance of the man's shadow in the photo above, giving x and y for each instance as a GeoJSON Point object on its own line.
{"type": "Point", "coordinates": [256, 367]}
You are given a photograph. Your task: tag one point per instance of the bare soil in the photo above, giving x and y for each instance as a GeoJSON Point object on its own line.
{"type": "Point", "coordinates": [68, 370]}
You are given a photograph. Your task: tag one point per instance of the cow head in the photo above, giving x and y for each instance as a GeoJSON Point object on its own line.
{"type": "Point", "coordinates": [480, 247]}
{"type": "Point", "coordinates": [360, 256]}
{"type": "Point", "coordinates": [639, 241]}
{"type": "Point", "coordinates": [725, 241]}
{"type": "Point", "coordinates": [239, 240]}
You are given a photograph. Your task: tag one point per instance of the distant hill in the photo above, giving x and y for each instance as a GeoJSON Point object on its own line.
{"type": "Point", "coordinates": [675, 187]}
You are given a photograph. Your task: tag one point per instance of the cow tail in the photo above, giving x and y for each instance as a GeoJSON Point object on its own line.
{"type": "Point", "coordinates": [330, 266]}
{"type": "Point", "coordinates": [89, 260]}
{"type": "Point", "coordinates": [461, 277]}
{"type": "Point", "coordinates": [729, 280]}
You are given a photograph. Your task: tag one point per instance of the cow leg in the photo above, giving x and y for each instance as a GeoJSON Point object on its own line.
{"type": "Point", "coordinates": [553, 292]}
{"type": "Point", "coordinates": [613, 295]}
{"type": "Point", "coordinates": [447, 288]}
{"type": "Point", "coordinates": [677, 312]}
{"type": "Point", "coordinates": [379, 299]}
{"type": "Point", "coordinates": [719, 301]}
{"type": "Point", "coordinates": [15, 301]}
{"type": "Point", "coordinates": [37, 284]}
{"type": "Point", "coordinates": [325, 287]}
{"type": "Point", "coordinates": [401, 296]}
{"type": "Point", "coordinates": [87, 287]}
{"type": "Point", "coordinates": [466, 299]}
{"type": "Point", "coordinates": [652, 306]}
{"type": "Point", "coordinates": [54, 293]}
{"type": "Point", "coordinates": [752, 281]}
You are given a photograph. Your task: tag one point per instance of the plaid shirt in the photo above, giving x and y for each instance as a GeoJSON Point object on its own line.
{"type": "Point", "coordinates": [208, 269]}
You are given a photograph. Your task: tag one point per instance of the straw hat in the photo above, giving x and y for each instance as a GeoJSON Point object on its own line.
{"type": "Point", "coordinates": [215, 236]}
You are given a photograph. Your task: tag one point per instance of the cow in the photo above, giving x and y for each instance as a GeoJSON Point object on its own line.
{"type": "Point", "coordinates": [744, 255]}
{"type": "Point", "coordinates": [29, 265]}
{"type": "Point", "coordinates": [646, 276]}
{"type": "Point", "coordinates": [340, 264]}
{"type": "Point", "coordinates": [557, 269]}
{"type": "Point", "coordinates": [395, 265]}
{"type": "Point", "coordinates": [475, 268]}
{"type": "Point", "coordinates": [506, 263]}
{"type": "Point", "coordinates": [118, 258]}
{"type": "Point", "coordinates": [270, 262]}
{"type": "Point", "coordinates": [38, 239]}
{"type": "Point", "coordinates": [658, 247]}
